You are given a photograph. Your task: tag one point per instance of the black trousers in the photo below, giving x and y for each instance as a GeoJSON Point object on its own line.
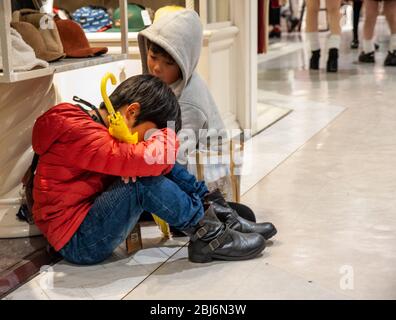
{"type": "Point", "coordinates": [357, 8]}
{"type": "Point", "coordinates": [274, 16]}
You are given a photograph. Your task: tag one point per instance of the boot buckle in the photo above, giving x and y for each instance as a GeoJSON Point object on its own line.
{"type": "Point", "coordinates": [199, 234]}
{"type": "Point", "coordinates": [214, 244]}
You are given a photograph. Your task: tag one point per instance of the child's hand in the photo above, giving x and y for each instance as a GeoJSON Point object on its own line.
{"type": "Point", "coordinates": [128, 179]}
{"type": "Point", "coordinates": [119, 129]}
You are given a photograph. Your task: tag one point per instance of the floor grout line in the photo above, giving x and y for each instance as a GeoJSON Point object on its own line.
{"type": "Point", "coordinates": [294, 152]}
{"type": "Point", "coordinates": [163, 263]}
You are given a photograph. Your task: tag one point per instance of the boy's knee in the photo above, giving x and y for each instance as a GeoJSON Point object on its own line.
{"type": "Point", "coordinates": [87, 260]}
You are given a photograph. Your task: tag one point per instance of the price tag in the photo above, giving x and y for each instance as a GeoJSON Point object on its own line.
{"type": "Point", "coordinates": [146, 18]}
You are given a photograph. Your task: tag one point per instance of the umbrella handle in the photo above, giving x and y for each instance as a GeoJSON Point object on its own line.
{"type": "Point", "coordinates": [103, 86]}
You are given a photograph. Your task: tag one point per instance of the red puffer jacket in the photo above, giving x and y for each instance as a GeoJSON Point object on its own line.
{"type": "Point", "coordinates": [78, 161]}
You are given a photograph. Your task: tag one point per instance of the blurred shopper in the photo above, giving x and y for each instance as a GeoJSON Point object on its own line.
{"type": "Point", "coordinates": [333, 44]}
{"type": "Point", "coordinates": [275, 19]}
{"type": "Point", "coordinates": [290, 12]}
{"type": "Point", "coordinates": [371, 13]}
{"type": "Point", "coordinates": [357, 8]}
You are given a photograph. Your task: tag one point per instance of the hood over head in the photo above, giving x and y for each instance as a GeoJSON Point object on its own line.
{"type": "Point", "coordinates": [180, 34]}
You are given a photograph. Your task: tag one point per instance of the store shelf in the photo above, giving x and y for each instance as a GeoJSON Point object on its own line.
{"type": "Point", "coordinates": [109, 36]}
{"type": "Point", "coordinates": [62, 66]}
{"type": "Point", "coordinates": [213, 30]}
{"type": "Point", "coordinates": [9, 76]}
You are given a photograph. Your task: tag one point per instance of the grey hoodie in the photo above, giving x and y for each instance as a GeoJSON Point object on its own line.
{"type": "Point", "coordinates": [180, 34]}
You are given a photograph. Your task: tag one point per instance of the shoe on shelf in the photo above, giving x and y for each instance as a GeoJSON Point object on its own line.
{"type": "Point", "coordinates": [367, 57]}
{"type": "Point", "coordinates": [390, 60]}
{"type": "Point", "coordinates": [332, 62]}
{"type": "Point", "coordinates": [314, 62]}
{"type": "Point", "coordinates": [355, 44]}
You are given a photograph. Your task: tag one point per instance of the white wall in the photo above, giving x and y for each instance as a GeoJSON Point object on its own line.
{"type": "Point", "coordinates": [85, 83]}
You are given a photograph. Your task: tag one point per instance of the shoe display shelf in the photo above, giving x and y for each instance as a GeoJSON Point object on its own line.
{"type": "Point", "coordinates": [8, 75]}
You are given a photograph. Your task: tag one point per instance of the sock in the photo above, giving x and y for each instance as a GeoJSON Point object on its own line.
{"type": "Point", "coordinates": [368, 46]}
{"type": "Point", "coordinates": [334, 41]}
{"type": "Point", "coordinates": [392, 45]}
{"type": "Point", "coordinates": [313, 40]}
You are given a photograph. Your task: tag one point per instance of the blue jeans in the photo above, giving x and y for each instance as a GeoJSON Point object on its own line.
{"type": "Point", "coordinates": [176, 198]}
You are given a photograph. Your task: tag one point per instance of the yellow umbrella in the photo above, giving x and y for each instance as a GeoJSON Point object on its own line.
{"type": "Point", "coordinates": [117, 128]}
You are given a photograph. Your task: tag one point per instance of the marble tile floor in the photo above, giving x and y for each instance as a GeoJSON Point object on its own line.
{"type": "Point", "coordinates": [13, 251]}
{"type": "Point", "coordinates": [331, 192]}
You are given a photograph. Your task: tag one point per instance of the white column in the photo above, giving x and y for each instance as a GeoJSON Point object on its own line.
{"type": "Point", "coordinates": [25, 101]}
{"type": "Point", "coordinates": [124, 26]}
{"type": "Point", "coordinates": [5, 38]}
{"type": "Point", "coordinates": [244, 16]}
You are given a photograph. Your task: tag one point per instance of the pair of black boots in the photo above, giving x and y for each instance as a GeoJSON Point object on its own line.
{"type": "Point", "coordinates": [223, 235]}
{"type": "Point", "coordinates": [332, 62]}
{"type": "Point", "coordinates": [390, 60]}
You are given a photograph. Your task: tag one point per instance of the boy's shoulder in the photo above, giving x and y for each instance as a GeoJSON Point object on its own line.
{"type": "Point", "coordinates": [64, 107]}
{"type": "Point", "coordinates": [196, 91]}
{"type": "Point", "coordinates": [65, 111]}
{"type": "Point", "coordinates": [197, 94]}
{"type": "Point", "coordinates": [61, 117]}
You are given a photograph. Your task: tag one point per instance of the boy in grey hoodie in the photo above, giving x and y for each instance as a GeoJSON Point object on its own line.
{"type": "Point", "coordinates": [180, 35]}
{"type": "Point", "coordinates": [170, 49]}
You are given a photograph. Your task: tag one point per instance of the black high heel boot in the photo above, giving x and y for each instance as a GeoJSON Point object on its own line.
{"type": "Point", "coordinates": [355, 44]}
{"type": "Point", "coordinates": [315, 58]}
{"type": "Point", "coordinates": [332, 62]}
{"type": "Point", "coordinates": [212, 239]}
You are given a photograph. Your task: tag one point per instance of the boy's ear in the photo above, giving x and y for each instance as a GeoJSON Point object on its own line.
{"type": "Point", "coordinates": [133, 110]}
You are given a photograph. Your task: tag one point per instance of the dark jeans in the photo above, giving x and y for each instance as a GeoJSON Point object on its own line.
{"type": "Point", "coordinates": [175, 198]}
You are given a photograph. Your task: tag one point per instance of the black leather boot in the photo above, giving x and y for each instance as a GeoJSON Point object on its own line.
{"type": "Point", "coordinates": [229, 216]}
{"type": "Point", "coordinates": [367, 57]}
{"type": "Point", "coordinates": [332, 62]}
{"type": "Point", "coordinates": [355, 44]}
{"type": "Point", "coordinates": [314, 62]}
{"type": "Point", "coordinates": [391, 59]}
{"type": "Point", "coordinates": [212, 239]}
{"type": "Point", "coordinates": [242, 210]}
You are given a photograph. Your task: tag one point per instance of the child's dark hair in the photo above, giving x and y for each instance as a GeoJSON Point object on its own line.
{"type": "Point", "coordinates": [156, 49]}
{"type": "Point", "coordinates": [158, 103]}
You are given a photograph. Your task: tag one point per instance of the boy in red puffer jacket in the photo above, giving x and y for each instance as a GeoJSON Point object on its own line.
{"type": "Point", "coordinates": [83, 206]}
